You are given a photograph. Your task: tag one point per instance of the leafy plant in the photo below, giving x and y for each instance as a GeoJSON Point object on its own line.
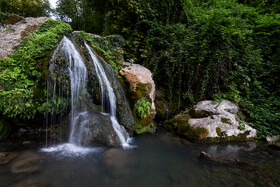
{"type": "Point", "coordinates": [142, 108]}
{"type": "Point", "coordinates": [241, 126]}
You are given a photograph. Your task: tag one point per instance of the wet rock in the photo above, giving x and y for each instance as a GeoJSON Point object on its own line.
{"type": "Point", "coordinates": [95, 129]}
{"type": "Point", "coordinates": [273, 142]}
{"type": "Point", "coordinates": [6, 157]}
{"type": "Point", "coordinates": [140, 84]}
{"type": "Point", "coordinates": [11, 38]}
{"type": "Point", "coordinates": [210, 121]}
{"type": "Point", "coordinates": [27, 162]}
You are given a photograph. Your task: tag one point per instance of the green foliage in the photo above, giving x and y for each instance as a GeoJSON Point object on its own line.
{"type": "Point", "coordinates": [223, 133]}
{"type": "Point", "coordinates": [22, 73]}
{"type": "Point", "coordinates": [3, 16]}
{"type": "Point", "coordinates": [142, 108]}
{"type": "Point", "coordinates": [26, 8]}
{"type": "Point", "coordinates": [241, 126]}
{"type": "Point", "coordinates": [140, 130]}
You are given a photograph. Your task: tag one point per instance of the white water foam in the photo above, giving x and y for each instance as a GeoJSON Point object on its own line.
{"type": "Point", "coordinates": [69, 150]}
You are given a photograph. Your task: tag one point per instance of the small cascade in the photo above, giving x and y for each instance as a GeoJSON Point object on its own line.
{"type": "Point", "coordinates": [78, 78]}
{"type": "Point", "coordinates": [107, 94]}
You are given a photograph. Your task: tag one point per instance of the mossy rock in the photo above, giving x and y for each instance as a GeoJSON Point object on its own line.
{"type": "Point", "coordinates": [226, 120]}
{"type": "Point", "coordinates": [162, 110]}
{"type": "Point", "coordinates": [180, 126]}
{"type": "Point", "coordinates": [12, 19]}
{"type": "Point", "coordinates": [224, 138]}
{"type": "Point", "coordinates": [144, 125]}
{"type": "Point", "coordinates": [144, 129]}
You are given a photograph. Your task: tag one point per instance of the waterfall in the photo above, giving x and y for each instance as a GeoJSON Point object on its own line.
{"type": "Point", "coordinates": [68, 69]}
{"type": "Point", "coordinates": [78, 78]}
{"type": "Point", "coordinates": [107, 91]}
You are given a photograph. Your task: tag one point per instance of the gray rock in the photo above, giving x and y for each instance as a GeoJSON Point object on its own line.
{"type": "Point", "coordinates": [272, 139]}
{"type": "Point", "coordinates": [219, 115]}
{"type": "Point", "coordinates": [273, 142]}
{"type": "Point", "coordinates": [204, 109]}
{"type": "Point", "coordinates": [11, 38]}
{"type": "Point", "coordinates": [210, 120]}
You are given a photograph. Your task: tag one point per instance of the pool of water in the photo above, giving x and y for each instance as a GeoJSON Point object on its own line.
{"type": "Point", "coordinates": [156, 160]}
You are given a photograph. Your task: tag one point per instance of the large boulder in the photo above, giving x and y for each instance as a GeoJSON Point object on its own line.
{"type": "Point", "coordinates": [16, 31]}
{"type": "Point", "coordinates": [95, 129]}
{"type": "Point", "coordinates": [211, 121]}
{"type": "Point", "coordinates": [140, 86]}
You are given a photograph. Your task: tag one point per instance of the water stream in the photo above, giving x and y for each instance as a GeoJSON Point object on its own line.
{"type": "Point", "coordinates": [108, 92]}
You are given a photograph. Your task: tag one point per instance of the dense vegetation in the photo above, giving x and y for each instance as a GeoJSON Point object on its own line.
{"type": "Point", "coordinates": [23, 75]}
{"type": "Point", "coordinates": [26, 8]}
{"type": "Point", "coordinates": [197, 49]}
{"type": "Point", "coordinates": [205, 49]}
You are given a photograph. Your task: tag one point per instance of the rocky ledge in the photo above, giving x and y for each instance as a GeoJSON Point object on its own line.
{"type": "Point", "coordinates": [211, 121]}
{"type": "Point", "coordinates": [16, 31]}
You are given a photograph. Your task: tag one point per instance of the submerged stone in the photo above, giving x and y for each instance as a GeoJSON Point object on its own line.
{"type": "Point", "coordinates": [6, 157]}
{"type": "Point", "coordinates": [27, 162]}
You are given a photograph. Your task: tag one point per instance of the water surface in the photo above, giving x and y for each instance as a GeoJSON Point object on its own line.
{"type": "Point", "coordinates": [158, 160]}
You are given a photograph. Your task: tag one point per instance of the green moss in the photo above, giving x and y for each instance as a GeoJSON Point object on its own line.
{"type": "Point", "coordinates": [218, 131]}
{"type": "Point", "coordinates": [139, 129]}
{"type": "Point", "coordinates": [180, 126]}
{"type": "Point", "coordinates": [226, 120]}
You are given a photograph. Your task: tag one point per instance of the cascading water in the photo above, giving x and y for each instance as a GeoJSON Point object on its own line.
{"type": "Point", "coordinates": [81, 118]}
{"type": "Point", "coordinates": [78, 78]}
{"type": "Point", "coordinates": [108, 92]}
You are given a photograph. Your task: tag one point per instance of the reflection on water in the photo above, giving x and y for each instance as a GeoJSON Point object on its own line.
{"type": "Point", "coordinates": [158, 160]}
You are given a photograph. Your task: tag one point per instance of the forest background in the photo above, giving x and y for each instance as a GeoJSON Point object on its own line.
{"type": "Point", "coordinates": [196, 49]}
